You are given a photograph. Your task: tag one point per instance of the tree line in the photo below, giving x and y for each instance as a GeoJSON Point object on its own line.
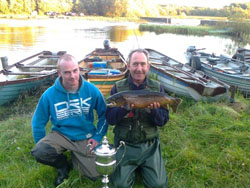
{"type": "Point", "coordinates": [119, 8]}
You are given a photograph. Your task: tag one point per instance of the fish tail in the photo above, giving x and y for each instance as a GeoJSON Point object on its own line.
{"type": "Point", "coordinates": [177, 102]}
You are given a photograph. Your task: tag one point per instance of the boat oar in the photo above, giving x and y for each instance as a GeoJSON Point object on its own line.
{"type": "Point", "coordinates": [200, 49]}
{"type": "Point", "coordinates": [36, 66]}
{"type": "Point", "coordinates": [27, 73]}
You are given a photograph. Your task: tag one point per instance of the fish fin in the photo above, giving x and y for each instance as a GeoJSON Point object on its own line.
{"type": "Point", "coordinates": [177, 102]}
{"type": "Point", "coordinates": [166, 106]}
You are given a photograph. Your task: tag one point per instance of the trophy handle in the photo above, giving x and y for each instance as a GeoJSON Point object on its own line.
{"type": "Point", "coordinates": [122, 143]}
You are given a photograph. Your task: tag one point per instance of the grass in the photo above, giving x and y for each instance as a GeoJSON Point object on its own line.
{"type": "Point", "coordinates": [184, 30]}
{"type": "Point", "coordinates": [203, 145]}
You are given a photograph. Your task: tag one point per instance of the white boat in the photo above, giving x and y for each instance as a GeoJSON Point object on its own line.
{"type": "Point", "coordinates": [232, 71]}
{"type": "Point", "coordinates": [183, 80]}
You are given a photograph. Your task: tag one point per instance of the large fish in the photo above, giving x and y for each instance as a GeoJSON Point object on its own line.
{"type": "Point", "coordinates": [142, 99]}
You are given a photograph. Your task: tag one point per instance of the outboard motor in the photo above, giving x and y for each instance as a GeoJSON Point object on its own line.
{"type": "Point", "coordinates": [4, 61]}
{"type": "Point", "coordinates": [189, 53]}
{"type": "Point", "coordinates": [106, 44]}
{"type": "Point", "coordinates": [191, 49]}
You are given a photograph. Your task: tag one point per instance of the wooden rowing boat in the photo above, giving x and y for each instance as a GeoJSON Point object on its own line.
{"type": "Point", "coordinates": [103, 67]}
{"type": "Point", "coordinates": [234, 72]}
{"type": "Point", "coordinates": [183, 80]}
{"type": "Point", "coordinates": [29, 73]}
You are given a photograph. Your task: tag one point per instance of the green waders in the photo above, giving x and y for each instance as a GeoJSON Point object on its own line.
{"type": "Point", "coordinates": [146, 157]}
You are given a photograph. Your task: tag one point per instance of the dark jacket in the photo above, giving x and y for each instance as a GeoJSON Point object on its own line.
{"type": "Point", "coordinates": [115, 115]}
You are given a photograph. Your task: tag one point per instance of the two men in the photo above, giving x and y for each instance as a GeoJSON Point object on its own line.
{"type": "Point", "coordinates": [70, 105]}
{"type": "Point", "coordinates": [138, 128]}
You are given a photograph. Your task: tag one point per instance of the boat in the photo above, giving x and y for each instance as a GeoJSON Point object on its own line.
{"type": "Point", "coordinates": [29, 73]}
{"type": "Point", "coordinates": [103, 67]}
{"type": "Point", "coordinates": [183, 80]}
{"type": "Point", "coordinates": [242, 54]}
{"type": "Point", "coordinates": [232, 71]}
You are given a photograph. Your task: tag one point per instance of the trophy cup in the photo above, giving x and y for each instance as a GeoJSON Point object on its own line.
{"type": "Point", "coordinates": [105, 159]}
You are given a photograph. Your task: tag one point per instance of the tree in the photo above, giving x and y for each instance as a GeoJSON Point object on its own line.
{"type": "Point", "coordinates": [118, 8]}
{"type": "Point", "coordinates": [4, 7]}
{"type": "Point", "coordinates": [60, 6]}
{"type": "Point", "coordinates": [78, 6]}
{"type": "Point", "coordinates": [90, 6]}
{"type": "Point", "coordinates": [16, 6]}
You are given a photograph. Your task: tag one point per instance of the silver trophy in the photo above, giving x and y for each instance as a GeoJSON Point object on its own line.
{"type": "Point", "coordinates": [105, 159]}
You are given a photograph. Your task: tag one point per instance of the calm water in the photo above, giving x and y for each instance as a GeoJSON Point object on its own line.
{"type": "Point", "coordinates": [21, 38]}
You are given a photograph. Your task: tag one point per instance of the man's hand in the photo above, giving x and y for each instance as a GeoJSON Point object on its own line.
{"type": "Point", "coordinates": [154, 105]}
{"type": "Point", "coordinates": [151, 106]}
{"type": "Point", "coordinates": [92, 143]}
{"type": "Point", "coordinates": [128, 107]}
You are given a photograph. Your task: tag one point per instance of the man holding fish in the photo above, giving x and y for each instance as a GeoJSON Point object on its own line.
{"type": "Point", "coordinates": [137, 124]}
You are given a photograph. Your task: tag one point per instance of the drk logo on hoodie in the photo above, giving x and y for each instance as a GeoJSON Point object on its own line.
{"type": "Point", "coordinates": [72, 108]}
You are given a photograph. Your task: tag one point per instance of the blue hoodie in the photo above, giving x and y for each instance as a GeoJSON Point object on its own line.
{"type": "Point", "coordinates": [71, 114]}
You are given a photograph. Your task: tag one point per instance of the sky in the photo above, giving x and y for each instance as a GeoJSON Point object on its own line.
{"type": "Point", "coordinates": [203, 3]}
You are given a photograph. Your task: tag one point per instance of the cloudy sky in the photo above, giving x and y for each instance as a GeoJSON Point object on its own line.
{"type": "Point", "coordinates": [203, 3]}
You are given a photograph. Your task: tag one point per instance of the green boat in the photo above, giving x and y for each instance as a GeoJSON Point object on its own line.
{"type": "Point", "coordinates": [27, 74]}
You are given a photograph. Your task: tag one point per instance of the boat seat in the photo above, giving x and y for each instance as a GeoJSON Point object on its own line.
{"type": "Point", "coordinates": [49, 56]}
{"type": "Point", "coordinates": [213, 59]}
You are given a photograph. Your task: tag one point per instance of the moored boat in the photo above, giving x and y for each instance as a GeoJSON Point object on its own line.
{"type": "Point", "coordinates": [232, 71]}
{"type": "Point", "coordinates": [242, 54]}
{"type": "Point", "coordinates": [29, 73]}
{"type": "Point", "coordinates": [183, 80]}
{"type": "Point", "coordinates": [103, 67]}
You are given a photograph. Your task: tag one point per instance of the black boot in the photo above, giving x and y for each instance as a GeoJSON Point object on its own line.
{"type": "Point", "coordinates": [63, 173]}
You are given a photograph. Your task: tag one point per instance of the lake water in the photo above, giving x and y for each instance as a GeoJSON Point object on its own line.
{"type": "Point", "coordinates": [22, 38]}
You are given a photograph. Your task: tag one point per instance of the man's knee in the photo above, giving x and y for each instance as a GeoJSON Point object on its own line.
{"type": "Point", "coordinates": [152, 183]}
{"type": "Point", "coordinates": [120, 182]}
{"type": "Point", "coordinates": [42, 151]}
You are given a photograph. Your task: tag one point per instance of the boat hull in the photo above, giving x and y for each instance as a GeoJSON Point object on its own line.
{"type": "Point", "coordinates": [28, 74]}
{"type": "Point", "coordinates": [182, 80]}
{"type": "Point", "coordinates": [233, 72]}
{"type": "Point", "coordinates": [241, 83]}
{"type": "Point", "coordinates": [12, 91]}
{"type": "Point", "coordinates": [181, 88]}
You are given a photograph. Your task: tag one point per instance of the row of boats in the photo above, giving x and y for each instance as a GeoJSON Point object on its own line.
{"type": "Point", "coordinates": [204, 77]}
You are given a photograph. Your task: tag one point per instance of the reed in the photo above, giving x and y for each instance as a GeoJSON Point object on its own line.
{"type": "Point", "coordinates": [184, 30]}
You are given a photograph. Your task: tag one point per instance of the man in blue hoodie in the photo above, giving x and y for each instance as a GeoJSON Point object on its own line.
{"type": "Point", "coordinates": [69, 104]}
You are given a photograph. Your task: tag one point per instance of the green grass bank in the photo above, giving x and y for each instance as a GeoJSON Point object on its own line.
{"type": "Point", "coordinates": [185, 30]}
{"type": "Point", "coordinates": [203, 145]}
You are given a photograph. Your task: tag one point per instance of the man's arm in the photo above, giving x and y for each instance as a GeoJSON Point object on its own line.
{"type": "Point", "coordinates": [40, 119]}
{"type": "Point", "coordinates": [114, 115]}
{"type": "Point", "coordinates": [102, 124]}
